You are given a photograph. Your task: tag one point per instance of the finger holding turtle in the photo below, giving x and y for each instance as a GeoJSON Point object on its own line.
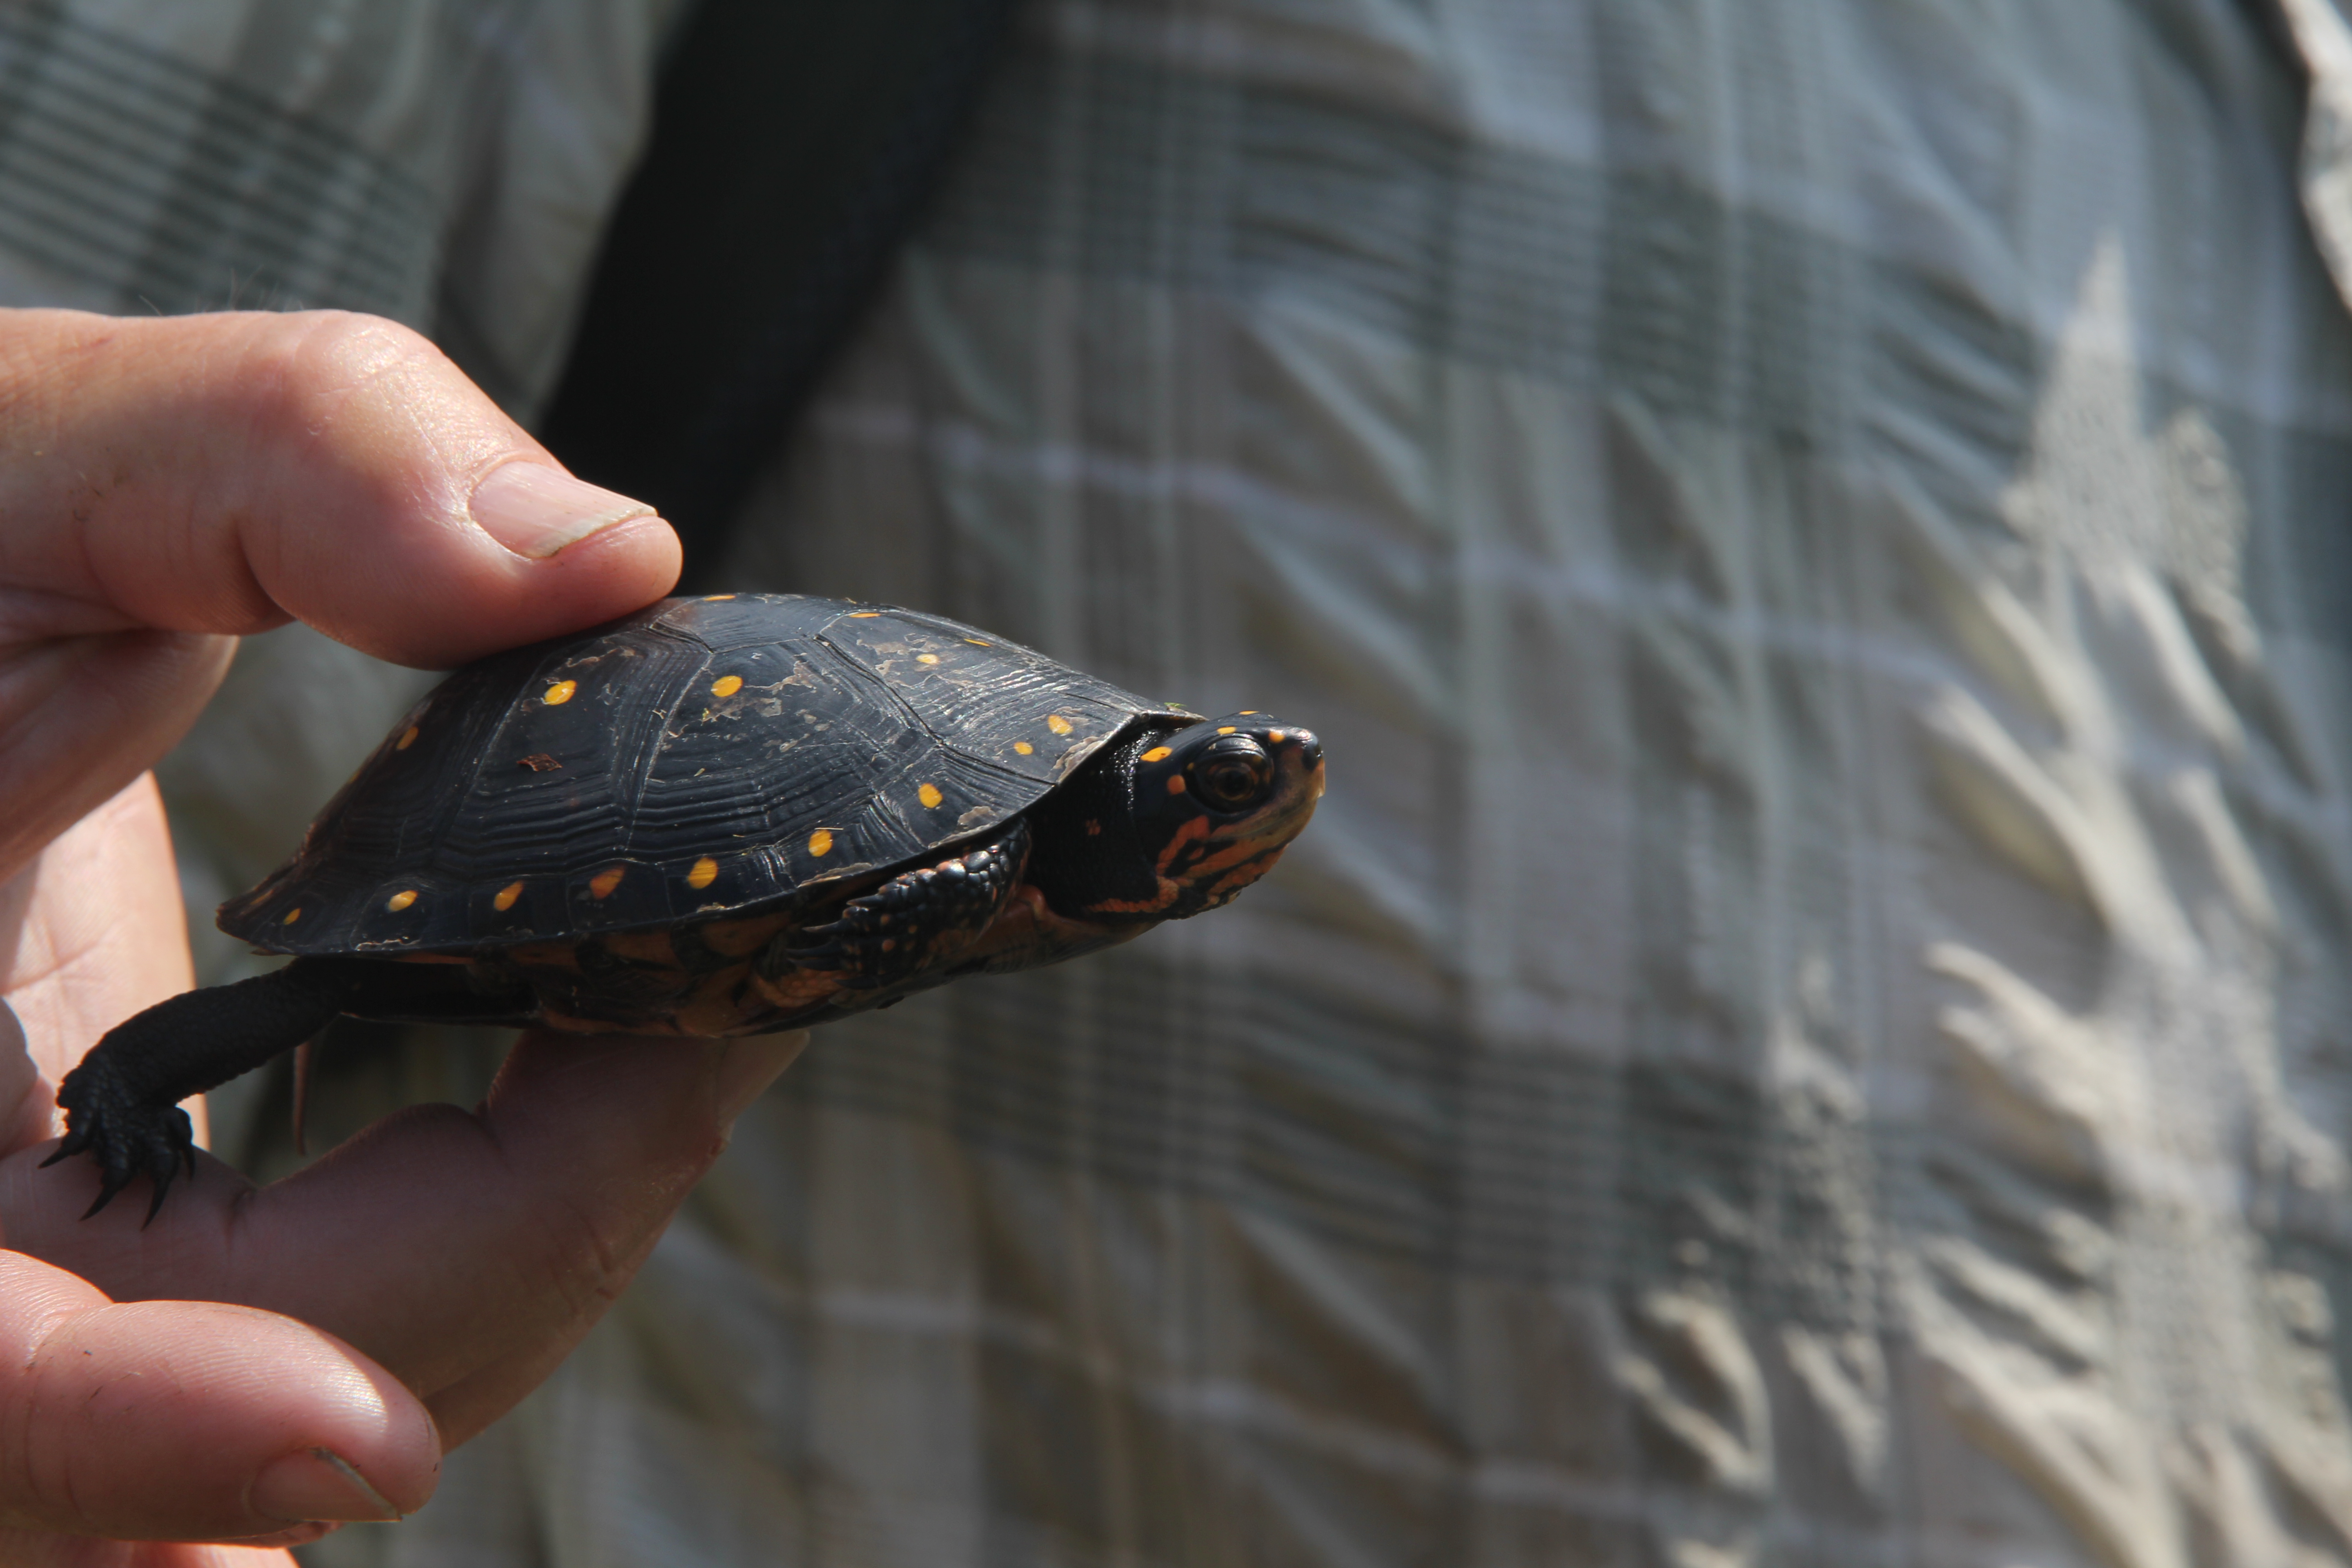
{"type": "Point", "coordinates": [166, 486]}
{"type": "Point", "coordinates": [169, 484]}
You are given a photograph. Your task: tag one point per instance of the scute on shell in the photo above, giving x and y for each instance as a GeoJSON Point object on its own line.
{"type": "Point", "coordinates": [792, 741]}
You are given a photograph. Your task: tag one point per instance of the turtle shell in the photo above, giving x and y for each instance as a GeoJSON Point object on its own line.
{"type": "Point", "coordinates": [699, 757]}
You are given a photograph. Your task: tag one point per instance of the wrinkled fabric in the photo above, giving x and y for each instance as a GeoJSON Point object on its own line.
{"type": "Point", "coordinates": [449, 163]}
{"type": "Point", "coordinates": [1810, 1025]}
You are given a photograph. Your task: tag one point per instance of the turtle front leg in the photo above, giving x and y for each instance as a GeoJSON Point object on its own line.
{"type": "Point", "coordinates": [123, 1103]}
{"type": "Point", "coordinates": [918, 922]}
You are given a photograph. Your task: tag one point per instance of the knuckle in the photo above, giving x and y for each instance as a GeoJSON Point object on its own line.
{"type": "Point", "coordinates": [586, 1259]}
{"type": "Point", "coordinates": [42, 1443]}
{"type": "Point", "coordinates": [308, 366]}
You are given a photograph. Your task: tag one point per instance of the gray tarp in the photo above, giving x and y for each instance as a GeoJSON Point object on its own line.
{"type": "Point", "coordinates": [1812, 1026]}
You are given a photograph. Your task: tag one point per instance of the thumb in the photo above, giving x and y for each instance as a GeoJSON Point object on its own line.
{"type": "Point", "coordinates": [219, 474]}
{"type": "Point", "coordinates": [167, 484]}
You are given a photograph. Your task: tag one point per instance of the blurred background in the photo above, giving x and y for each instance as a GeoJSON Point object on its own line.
{"type": "Point", "coordinates": [1811, 1026]}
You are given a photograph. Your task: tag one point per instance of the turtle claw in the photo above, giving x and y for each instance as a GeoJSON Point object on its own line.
{"type": "Point", "coordinates": [75, 1141]}
{"type": "Point", "coordinates": [127, 1139]}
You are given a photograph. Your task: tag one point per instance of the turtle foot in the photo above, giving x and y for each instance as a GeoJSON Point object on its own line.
{"type": "Point", "coordinates": [128, 1136]}
{"type": "Point", "coordinates": [915, 921]}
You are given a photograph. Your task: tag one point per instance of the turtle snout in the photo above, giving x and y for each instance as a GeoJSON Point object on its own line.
{"type": "Point", "coordinates": [1301, 760]}
{"type": "Point", "coordinates": [1314, 760]}
{"type": "Point", "coordinates": [1304, 745]}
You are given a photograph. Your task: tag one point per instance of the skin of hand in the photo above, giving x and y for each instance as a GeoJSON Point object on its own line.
{"type": "Point", "coordinates": [261, 1357]}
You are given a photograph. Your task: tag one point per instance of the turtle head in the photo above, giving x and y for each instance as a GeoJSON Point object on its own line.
{"type": "Point", "coordinates": [1214, 805]}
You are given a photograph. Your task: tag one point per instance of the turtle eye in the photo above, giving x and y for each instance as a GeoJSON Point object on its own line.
{"type": "Point", "coordinates": [1230, 779]}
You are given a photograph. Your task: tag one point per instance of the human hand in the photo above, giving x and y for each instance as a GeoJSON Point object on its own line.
{"type": "Point", "coordinates": [164, 486]}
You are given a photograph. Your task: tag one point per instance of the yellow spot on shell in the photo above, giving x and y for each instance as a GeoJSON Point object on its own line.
{"type": "Point", "coordinates": [401, 899]}
{"type": "Point", "coordinates": [603, 883]}
{"type": "Point", "coordinates": [716, 597]}
{"type": "Point", "coordinates": [292, 915]}
{"type": "Point", "coordinates": [1024, 747]}
{"type": "Point", "coordinates": [863, 615]}
{"type": "Point", "coordinates": [976, 642]}
{"type": "Point", "coordinates": [1275, 735]}
{"type": "Point", "coordinates": [927, 659]}
{"type": "Point", "coordinates": [821, 842]}
{"type": "Point", "coordinates": [1249, 712]}
{"type": "Point", "coordinates": [1158, 754]}
{"type": "Point", "coordinates": [705, 873]}
{"type": "Point", "coordinates": [929, 794]}
{"type": "Point", "coordinates": [507, 896]}
{"type": "Point", "coordinates": [1175, 783]}
{"type": "Point", "coordinates": [407, 739]}
{"type": "Point", "coordinates": [727, 686]}
{"type": "Point", "coordinates": [560, 693]}
{"type": "Point", "coordinates": [1225, 729]}
{"type": "Point", "coordinates": [1055, 722]}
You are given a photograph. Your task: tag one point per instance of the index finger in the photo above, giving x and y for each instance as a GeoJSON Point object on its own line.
{"type": "Point", "coordinates": [466, 1252]}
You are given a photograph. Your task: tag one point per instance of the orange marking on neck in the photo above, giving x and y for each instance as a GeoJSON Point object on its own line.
{"type": "Point", "coordinates": [1198, 827]}
{"type": "Point", "coordinates": [1169, 892]}
{"type": "Point", "coordinates": [1243, 874]}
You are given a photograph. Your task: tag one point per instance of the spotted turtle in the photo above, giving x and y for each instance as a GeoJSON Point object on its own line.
{"type": "Point", "coordinates": [714, 816]}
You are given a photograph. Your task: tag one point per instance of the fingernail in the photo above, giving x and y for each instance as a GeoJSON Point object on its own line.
{"type": "Point", "coordinates": [751, 1065]}
{"type": "Point", "coordinates": [315, 1484]}
{"type": "Point", "coordinates": [535, 510]}
{"type": "Point", "coordinates": [293, 1535]}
